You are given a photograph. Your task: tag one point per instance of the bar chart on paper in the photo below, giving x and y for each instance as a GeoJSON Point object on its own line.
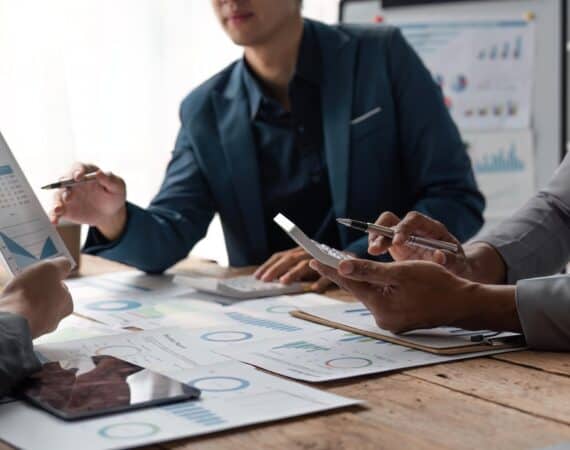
{"type": "Point", "coordinates": [26, 234]}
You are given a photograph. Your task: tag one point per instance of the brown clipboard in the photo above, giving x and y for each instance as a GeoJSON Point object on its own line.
{"type": "Point", "coordinates": [476, 347]}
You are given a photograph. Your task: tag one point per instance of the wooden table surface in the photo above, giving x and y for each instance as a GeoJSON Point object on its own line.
{"type": "Point", "coordinates": [513, 401]}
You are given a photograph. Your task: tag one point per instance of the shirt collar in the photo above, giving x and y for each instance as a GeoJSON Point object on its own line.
{"type": "Point", "coordinates": [309, 68]}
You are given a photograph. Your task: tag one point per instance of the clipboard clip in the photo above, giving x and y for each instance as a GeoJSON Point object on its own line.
{"type": "Point", "coordinates": [495, 338]}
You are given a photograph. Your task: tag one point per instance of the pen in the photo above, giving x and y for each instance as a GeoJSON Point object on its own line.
{"type": "Point", "coordinates": [71, 182]}
{"type": "Point", "coordinates": [417, 241]}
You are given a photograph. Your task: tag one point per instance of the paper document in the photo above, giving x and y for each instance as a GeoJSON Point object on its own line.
{"type": "Point", "coordinates": [74, 328]}
{"type": "Point", "coordinates": [26, 233]}
{"type": "Point", "coordinates": [484, 68]}
{"type": "Point", "coordinates": [121, 306]}
{"type": "Point", "coordinates": [355, 317]}
{"type": "Point", "coordinates": [233, 395]}
{"type": "Point", "coordinates": [504, 167]}
{"type": "Point", "coordinates": [160, 350]}
{"type": "Point", "coordinates": [335, 355]}
{"type": "Point", "coordinates": [125, 284]}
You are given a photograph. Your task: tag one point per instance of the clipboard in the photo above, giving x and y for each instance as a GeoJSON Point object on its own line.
{"type": "Point", "coordinates": [439, 341]}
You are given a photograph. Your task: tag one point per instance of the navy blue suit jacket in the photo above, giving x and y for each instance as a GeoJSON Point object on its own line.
{"type": "Point", "coordinates": [408, 156]}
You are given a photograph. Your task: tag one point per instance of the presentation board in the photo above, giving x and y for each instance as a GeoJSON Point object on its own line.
{"type": "Point", "coordinates": [529, 52]}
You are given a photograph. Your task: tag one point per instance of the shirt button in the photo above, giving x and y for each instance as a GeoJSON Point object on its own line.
{"type": "Point", "coordinates": [301, 129]}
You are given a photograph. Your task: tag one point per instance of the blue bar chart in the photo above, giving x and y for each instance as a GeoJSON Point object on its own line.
{"type": "Point", "coordinates": [261, 322]}
{"type": "Point", "coordinates": [193, 412]}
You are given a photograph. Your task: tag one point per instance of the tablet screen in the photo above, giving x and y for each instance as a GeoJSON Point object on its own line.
{"type": "Point", "coordinates": [101, 385]}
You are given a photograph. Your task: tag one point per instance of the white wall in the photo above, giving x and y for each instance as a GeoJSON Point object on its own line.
{"type": "Point", "coordinates": [101, 81]}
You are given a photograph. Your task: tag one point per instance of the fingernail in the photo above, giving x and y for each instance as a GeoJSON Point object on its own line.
{"type": "Point", "coordinates": [313, 265]}
{"type": "Point", "coordinates": [346, 268]}
{"type": "Point", "coordinates": [58, 210]}
{"type": "Point", "coordinates": [76, 174]}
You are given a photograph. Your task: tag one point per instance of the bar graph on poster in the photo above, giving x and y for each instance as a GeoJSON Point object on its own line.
{"type": "Point", "coordinates": [484, 68]}
{"type": "Point", "coordinates": [26, 234]}
{"type": "Point", "coordinates": [504, 167]}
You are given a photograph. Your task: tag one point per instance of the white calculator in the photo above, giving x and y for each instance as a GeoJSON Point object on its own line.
{"type": "Point", "coordinates": [241, 288]}
{"type": "Point", "coordinates": [321, 252]}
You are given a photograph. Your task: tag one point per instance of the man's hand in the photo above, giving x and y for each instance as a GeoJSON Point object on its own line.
{"type": "Point", "coordinates": [418, 294]}
{"type": "Point", "coordinates": [291, 266]}
{"type": "Point", "coordinates": [39, 295]}
{"type": "Point", "coordinates": [100, 203]}
{"type": "Point", "coordinates": [477, 262]}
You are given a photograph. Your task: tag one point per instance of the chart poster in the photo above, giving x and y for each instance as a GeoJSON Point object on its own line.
{"type": "Point", "coordinates": [26, 234]}
{"type": "Point", "coordinates": [483, 67]}
{"type": "Point", "coordinates": [504, 168]}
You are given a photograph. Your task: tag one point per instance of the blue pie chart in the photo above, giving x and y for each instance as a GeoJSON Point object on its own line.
{"type": "Point", "coordinates": [226, 336]}
{"type": "Point", "coordinates": [220, 384]}
{"type": "Point", "coordinates": [113, 305]}
{"type": "Point", "coordinates": [129, 430]}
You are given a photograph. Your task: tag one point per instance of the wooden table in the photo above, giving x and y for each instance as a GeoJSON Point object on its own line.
{"type": "Point", "coordinates": [519, 400]}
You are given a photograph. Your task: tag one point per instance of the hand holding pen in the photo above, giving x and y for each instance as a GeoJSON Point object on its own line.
{"type": "Point", "coordinates": [417, 237]}
{"type": "Point", "coordinates": [90, 196]}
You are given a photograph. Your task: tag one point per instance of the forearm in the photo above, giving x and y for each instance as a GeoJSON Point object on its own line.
{"type": "Point", "coordinates": [113, 227]}
{"type": "Point", "coordinates": [489, 307]}
{"type": "Point", "coordinates": [153, 240]}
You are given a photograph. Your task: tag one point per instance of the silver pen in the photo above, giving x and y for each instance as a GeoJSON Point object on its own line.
{"type": "Point", "coordinates": [71, 182]}
{"type": "Point", "coordinates": [416, 241]}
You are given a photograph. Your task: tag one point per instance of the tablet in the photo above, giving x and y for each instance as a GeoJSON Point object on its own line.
{"type": "Point", "coordinates": [100, 385]}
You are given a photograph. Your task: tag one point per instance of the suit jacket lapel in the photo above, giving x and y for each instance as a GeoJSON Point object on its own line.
{"type": "Point", "coordinates": [232, 111]}
{"type": "Point", "coordinates": [338, 52]}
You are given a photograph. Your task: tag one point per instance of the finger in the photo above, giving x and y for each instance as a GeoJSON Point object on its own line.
{"type": "Point", "coordinates": [79, 170]}
{"type": "Point", "coordinates": [378, 244]}
{"type": "Point", "coordinates": [362, 291]}
{"type": "Point", "coordinates": [299, 272]}
{"type": "Point", "coordinates": [58, 209]}
{"type": "Point", "coordinates": [321, 285]}
{"type": "Point", "coordinates": [368, 271]}
{"type": "Point", "coordinates": [63, 266]}
{"type": "Point", "coordinates": [66, 195]}
{"type": "Point", "coordinates": [417, 223]}
{"type": "Point", "coordinates": [387, 219]}
{"type": "Point", "coordinates": [266, 265]}
{"type": "Point", "coordinates": [281, 267]}
{"type": "Point", "coordinates": [440, 258]}
{"type": "Point", "coordinates": [110, 182]}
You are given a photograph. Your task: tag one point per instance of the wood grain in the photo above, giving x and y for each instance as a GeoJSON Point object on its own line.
{"type": "Point", "coordinates": [534, 392]}
{"type": "Point", "coordinates": [517, 401]}
{"type": "Point", "coordinates": [557, 363]}
{"type": "Point", "coordinates": [403, 413]}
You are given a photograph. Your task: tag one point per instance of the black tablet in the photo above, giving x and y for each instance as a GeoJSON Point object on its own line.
{"type": "Point", "coordinates": [101, 385]}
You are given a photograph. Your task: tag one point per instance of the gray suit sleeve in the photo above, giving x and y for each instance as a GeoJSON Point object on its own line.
{"type": "Point", "coordinates": [535, 242]}
{"type": "Point", "coordinates": [543, 305]}
{"type": "Point", "coordinates": [17, 357]}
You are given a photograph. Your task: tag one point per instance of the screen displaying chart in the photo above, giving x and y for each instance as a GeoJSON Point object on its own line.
{"type": "Point", "coordinates": [26, 234]}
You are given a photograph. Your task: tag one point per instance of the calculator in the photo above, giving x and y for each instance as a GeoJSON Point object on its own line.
{"type": "Point", "coordinates": [323, 253]}
{"type": "Point", "coordinates": [241, 288]}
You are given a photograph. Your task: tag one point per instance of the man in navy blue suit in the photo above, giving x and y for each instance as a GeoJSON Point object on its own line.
{"type": "Point", "coordinates": [315, 122]}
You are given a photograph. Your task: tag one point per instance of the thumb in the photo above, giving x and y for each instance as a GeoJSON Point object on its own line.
{"type": "Point", "coordinates": [368, 271]}
{"type": "Point", "coordinates": [63, 266]}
